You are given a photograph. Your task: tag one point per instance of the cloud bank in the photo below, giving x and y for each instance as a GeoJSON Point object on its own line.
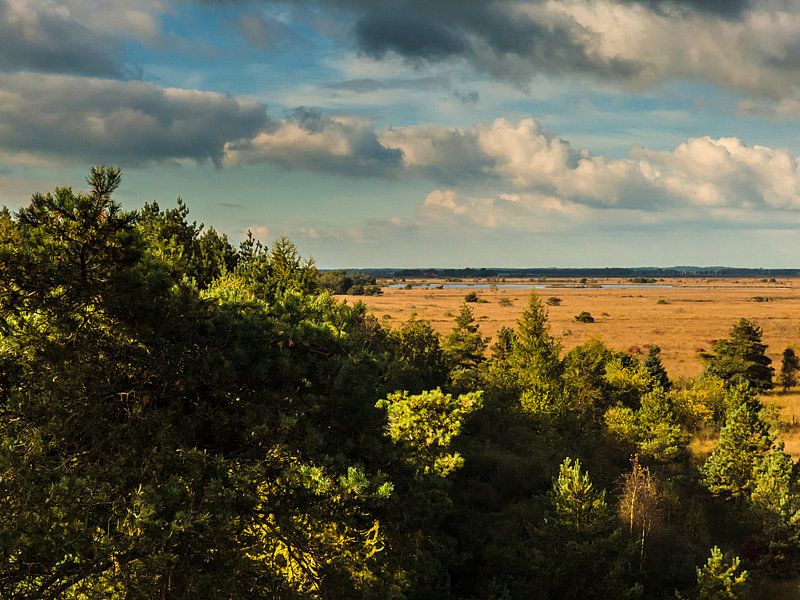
{"type": "Point", "coordinates": [66, 97]}
{"type": "Point", "coordinates": [81, 37]}
{"type": "Point", "coordinates": [73, 120]}
{"type": "Point", "coordinates": [81, 120]}
{"type": "Point", "coordinates": [522, 157]}
{"type": "Point", "coordinates": [748, 46]}
{"type": "Point", "coordinates": [308, 140]}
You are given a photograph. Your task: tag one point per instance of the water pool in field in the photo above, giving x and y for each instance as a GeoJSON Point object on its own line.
{"type": "Point", "coordinates": [537, 286]}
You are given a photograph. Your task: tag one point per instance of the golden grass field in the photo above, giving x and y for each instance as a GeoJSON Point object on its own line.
{"type": "Point", "coordinates": [683, 320]}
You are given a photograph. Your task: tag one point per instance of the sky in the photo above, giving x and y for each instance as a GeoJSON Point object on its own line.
{"type": "Point", "coordinates": [424, 133]}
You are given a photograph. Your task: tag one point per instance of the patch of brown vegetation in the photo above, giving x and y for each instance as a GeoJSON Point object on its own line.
{"type": "Point", "coordinates": [687, 322]}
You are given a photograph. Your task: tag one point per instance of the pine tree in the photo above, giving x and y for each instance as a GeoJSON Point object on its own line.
{"type": "Point", "coordinates": [776, 501]}
{"type": "Point", "coordinates": [465, 345]}
{"type": "Point", "coordinates": [584, 378]}
{"type": "Point", "coordinates": [535, 348]}
{"type": "Point", "coordinates": [775, 491]}
{"type": "Point", "coordinates": [720, 579]}
{"type": "Point", "coordinates": [577, 505]}
{"type": "Point", "coordinates": [536, 363]}
{"type": "Point", "coordinates": [790, 364]}
{"type": "Point", "coordinates": [506, 339]}
{"type": "Point", "coordinates": [287, 270]}
{"type": "Point", "coordinates": [660, 435]}
{"type": "Point", "coordinates": [742, 357]}
{"type": "Point", "coordinates": [656, 368]}
{"type": "Point", "coordinates": [424, 426]}
{"type": "Point", "coordinates": [419, 363]}
{"type": "Point", "coordinates": [743, 442]}
{"type": "Point", "coordinates": [579, 550]}
{"type": "Point", "coordinates": [464, 348]}
{"type": "Point", "coordinates": [498, 380]}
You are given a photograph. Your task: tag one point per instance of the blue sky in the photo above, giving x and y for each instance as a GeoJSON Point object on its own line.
{"type": "Point", "coordinates": [425, 133]}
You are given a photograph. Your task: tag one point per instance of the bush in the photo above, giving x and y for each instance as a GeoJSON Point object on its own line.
{"type": "Point", "coordinates": [584, 317]}
{"type": "Point", "coordinates": [504, 301]}
{"type": "Point", "coordinates": [365, 290]}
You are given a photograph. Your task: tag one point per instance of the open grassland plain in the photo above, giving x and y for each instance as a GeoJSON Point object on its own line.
{"type": "Point", "coordinates": [684, 319]}
{"type": "Point", "coordinates": [682, 316]}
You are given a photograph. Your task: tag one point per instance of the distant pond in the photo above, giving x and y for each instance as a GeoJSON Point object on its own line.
{"type": "Point", "coordinates": [537, 286]}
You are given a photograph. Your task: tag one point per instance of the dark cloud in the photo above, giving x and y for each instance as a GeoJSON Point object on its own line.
{"type": "Point", "coordinates": [723, 7]}
{"type": "Point", "coordinates": [486, 34]}
{"type": "Point", "coordinates": [510, 40]}
{"type": "Point", "coordinates": [74, 119]}
{"type": "Point", "coordinates": [408, 35]}
{"type": "Point", "coordinates": [441, 8]}
{"type": "Point", "coordinates": [787, 59]}
{"type": "Point", "coordinates": [38, 37]}
{"type": "Point", "coordinates": [71, 119]}
{"type": "Point", "coordinates": [308, 139]}
{"type": "Point", "coordinates": [310, 119]}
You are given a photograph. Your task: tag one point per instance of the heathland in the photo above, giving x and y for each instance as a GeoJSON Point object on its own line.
{"type": "Point", "coordinates": [685, 317]}
{"type": "Point", "coordinates": [183, 417]}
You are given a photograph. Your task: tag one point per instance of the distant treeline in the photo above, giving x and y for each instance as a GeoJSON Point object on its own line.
{"type": "Point", "coordinates": [345, 282]}
{"type": "Point", "coordinates": [638, 272]}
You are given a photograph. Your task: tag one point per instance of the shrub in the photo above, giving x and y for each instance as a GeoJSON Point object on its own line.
{"type": "Point", "coordinates": [505, 301]}
{"type": "Point", "coordinates": [365, 290]}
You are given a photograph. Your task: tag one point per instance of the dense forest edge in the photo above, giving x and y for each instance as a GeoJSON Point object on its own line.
{"type": "Point", "coordinates": [182, 417]}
